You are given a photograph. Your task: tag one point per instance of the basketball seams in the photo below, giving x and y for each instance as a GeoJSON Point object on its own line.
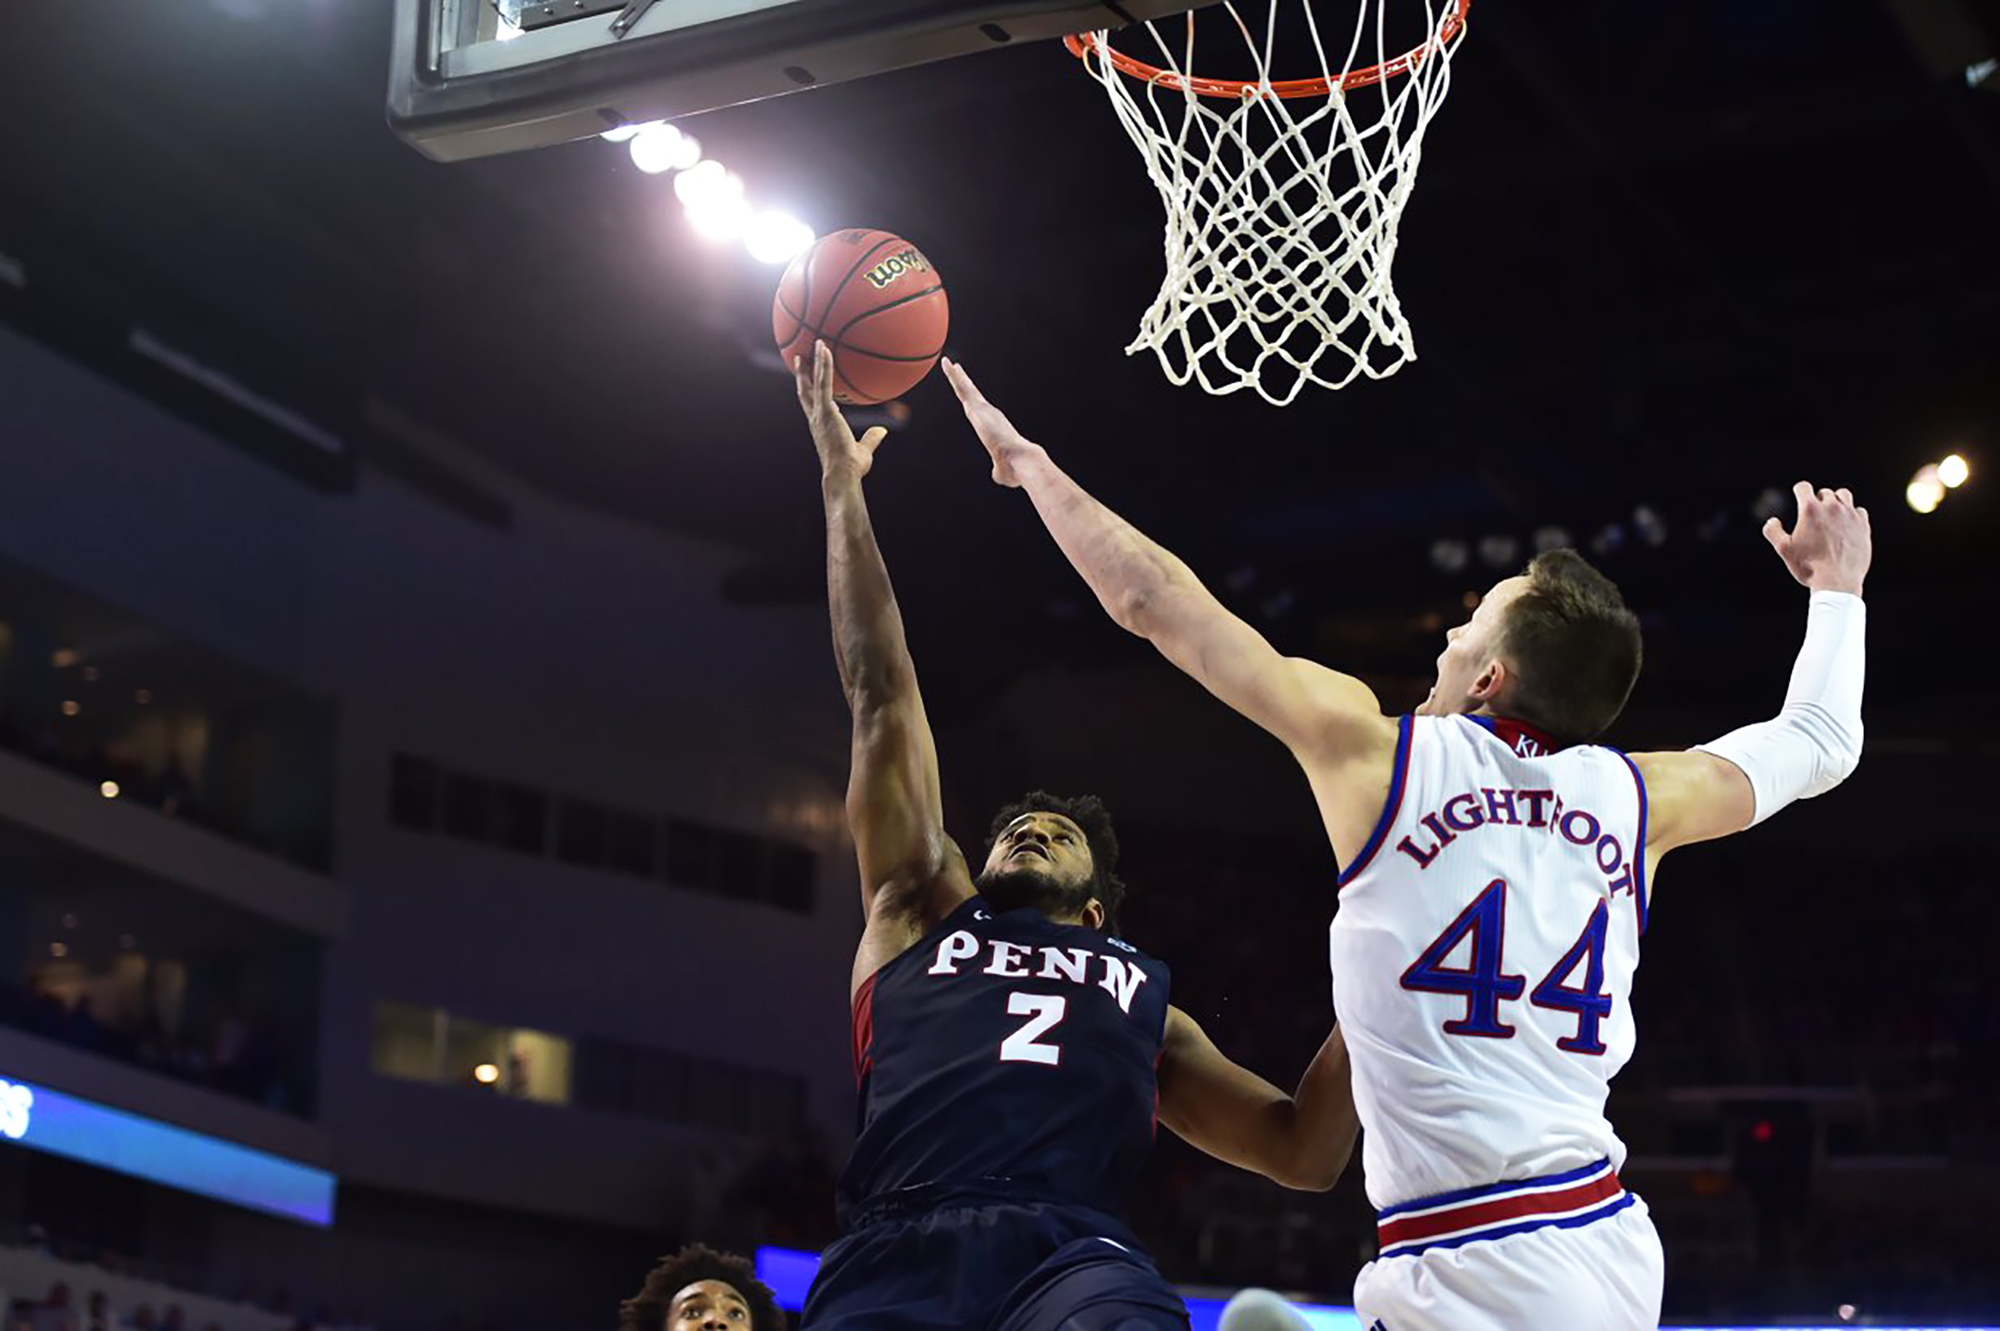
{"type": "Point", "coordinates": [834, 299]}
{"type": "Point", "coordinates": [804, 324]}
{"type": "Point", "coordinates": [841, 334]}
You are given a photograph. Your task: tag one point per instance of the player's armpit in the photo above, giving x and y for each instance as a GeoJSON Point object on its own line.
{"type": "Point", "coordinates": [1301, 1141]}
{"type": "Point", "coordinates": [1692, 796]}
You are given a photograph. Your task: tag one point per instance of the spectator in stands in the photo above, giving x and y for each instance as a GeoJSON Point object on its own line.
{"type": "Point", "coordinates": [696, 1284]}
{"type": "Point", "coordinates": [97, 1313]}
{"type": "Point", "coordinates": [143, 1319]}
{"type": "Point", "coordinates": [56, 1314]}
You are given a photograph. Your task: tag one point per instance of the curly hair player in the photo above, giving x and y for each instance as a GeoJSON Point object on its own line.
{"type": "Point", "coordinates": [1012, 1052]}
{"type": "Point", "coordinates": [700, 1289]}
{"type": "Point", "coordinates": [1497, 868]}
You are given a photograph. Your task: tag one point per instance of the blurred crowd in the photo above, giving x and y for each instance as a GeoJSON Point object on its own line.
{"type": "Point", "coordinates": [231, 1056]}
{"type": "Point", "coordinates": [85, 1286]}
{"type": "Point", "coordinates": [74, 747]}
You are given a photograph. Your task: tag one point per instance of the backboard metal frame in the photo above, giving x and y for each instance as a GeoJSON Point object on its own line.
{"type": "Point", "coordinates": [456, 93]}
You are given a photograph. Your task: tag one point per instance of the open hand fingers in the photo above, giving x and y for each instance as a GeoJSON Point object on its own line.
{"type": "Point", "coordinates": [961, 383]}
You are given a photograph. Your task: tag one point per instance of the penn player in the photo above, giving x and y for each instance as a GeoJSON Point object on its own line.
{"type": "Point", "coordinates": [1498, 876]}
{"type": "Point", "coordinates": [1012, 1052]}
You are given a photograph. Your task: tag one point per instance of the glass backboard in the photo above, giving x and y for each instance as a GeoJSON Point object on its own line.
{"type": "Point", "coordinates": [473, 78]}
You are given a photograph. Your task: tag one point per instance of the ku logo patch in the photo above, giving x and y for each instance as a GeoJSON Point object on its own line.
{"type": "Point", "coordinates": [1528, 746]}
{"type": "Point", "coordinates": [979, 913]}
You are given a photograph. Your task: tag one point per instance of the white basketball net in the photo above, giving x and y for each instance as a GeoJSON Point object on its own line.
{"type": "Point", "coordinates": [1282, 212]}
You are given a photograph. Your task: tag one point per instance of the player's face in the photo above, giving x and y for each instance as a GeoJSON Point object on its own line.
{"type": "Point", "coordinates": [708, 1305]}
{"type": "Point", "coordinates": [1469, 652]}
{"type": "Point", "coordinates": [1040, 860]}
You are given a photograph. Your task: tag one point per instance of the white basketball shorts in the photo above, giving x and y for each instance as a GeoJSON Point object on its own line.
{"type": "Point", "coordinates": [1574, 1250]}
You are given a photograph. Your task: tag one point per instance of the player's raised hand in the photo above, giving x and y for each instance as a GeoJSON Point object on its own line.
{"type": "Point", "coordinates": [839, 450]}
{"type": "Point", "coordinates": [1005, 444]}
{"type": "Point", "coordinates": [1829, 547]}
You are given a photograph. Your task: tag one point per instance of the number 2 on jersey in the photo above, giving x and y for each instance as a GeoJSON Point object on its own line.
{"type": "Point", "coordinates": [1043, 1012]}
{"type": "Point", "coordinates": [1483, 984]}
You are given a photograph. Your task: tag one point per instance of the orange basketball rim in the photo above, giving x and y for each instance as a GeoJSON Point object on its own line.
{"type": "Point", "coordinates": [1082, 44]}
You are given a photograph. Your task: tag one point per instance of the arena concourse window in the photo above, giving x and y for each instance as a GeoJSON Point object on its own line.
{"type": "Point", "coordinates": [139, 970]}
{"type": "Point", "coordinates": [431, 1045]}
{"type": "Point", "coordinates": [426, 1044]}
{"type": "Point", "coordinates": [146, 716]}
{"type": "Point", "coordinates": [425, 796]}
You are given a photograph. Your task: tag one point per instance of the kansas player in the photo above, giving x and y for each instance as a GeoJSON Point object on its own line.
{"type": "Point", "coordinates": [1012, 1052]}
{"type": "Point", "coordinates": [1498, 876]}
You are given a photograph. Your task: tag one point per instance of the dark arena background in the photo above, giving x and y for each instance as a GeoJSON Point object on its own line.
{"type": "Point", "coordinates": [425, 892]}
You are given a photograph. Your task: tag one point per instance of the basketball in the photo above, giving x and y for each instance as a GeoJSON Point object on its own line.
{"type": "Point", "coordinates": [876, 301]}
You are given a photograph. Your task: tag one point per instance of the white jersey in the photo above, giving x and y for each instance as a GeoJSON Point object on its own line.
{"type": "Point", "coordinates": [1483, 955]}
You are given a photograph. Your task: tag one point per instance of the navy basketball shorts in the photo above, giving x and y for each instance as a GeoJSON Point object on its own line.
{"type": "Point", "coordinates": [969, 1261]}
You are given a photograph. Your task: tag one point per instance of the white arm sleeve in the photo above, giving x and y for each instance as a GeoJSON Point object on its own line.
{"type": "Point", "coordinates": [1814, 742]}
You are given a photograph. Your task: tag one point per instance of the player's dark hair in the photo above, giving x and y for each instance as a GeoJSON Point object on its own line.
{"type": "Point", "coordinates": [1089, 814]}
{"type": "Point", "coordinates": [648, 1310]}
{"type": "Point", "coordinates": [1574, 646]}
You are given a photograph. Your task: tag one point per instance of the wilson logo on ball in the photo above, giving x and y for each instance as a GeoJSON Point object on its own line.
{"type": "Point", "coordinates": [909, 261]}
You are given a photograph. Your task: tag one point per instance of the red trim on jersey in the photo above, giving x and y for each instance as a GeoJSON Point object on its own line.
{"type": "Point", "coordinates": [1398, 779]}
{"type": "Point", "coordinates": [1512, 732]}
{"type": "Point", "coordinates": [864, 1028]}
{"type": "Point", "coordinates": [1498, 1210]}
{"type": "Point", "coordinates": [1157, 1060]}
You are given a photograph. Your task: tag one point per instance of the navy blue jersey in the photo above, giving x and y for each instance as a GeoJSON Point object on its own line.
{"type": "Point", "coordinates": [1006, 1046]}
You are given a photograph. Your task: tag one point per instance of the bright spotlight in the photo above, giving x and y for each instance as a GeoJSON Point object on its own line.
{"type": "Point", "coordinates": [626, 132]}
{"type": "Point", "coordinates": [774, 237]}
{"type": "Point", "coordinates": [108, 789]}
{"type": "Point", "coordinates": [1925, 491]}
{"type": "Point", "coordinates": [1953, 472]}
{"type": "Point", "coordinates": [657, 147]}
{"type": "Point", "coordinates": [719, 216]}
{"type": "Point", "coordinates": [486, 1074]}
{"type": "Point", "coordinates": [707, 182]}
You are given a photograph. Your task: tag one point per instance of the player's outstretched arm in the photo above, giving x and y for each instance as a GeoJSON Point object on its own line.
{"type": "Point", "coordinates": [1302, 1140]}
{"type": "Point", "coordinates": [911, 873]}
{"type": "Point", "coordinates": [1322, 715]}
{"type": "Point", "coordinates": [1814, 742]}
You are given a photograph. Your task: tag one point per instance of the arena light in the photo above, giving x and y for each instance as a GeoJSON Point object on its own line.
{"type": "Point", "coordinates": [1449, 556]}
{"type": "Point", "coordinates": [723, 218]}
{"type": "Point", "coordinates": [486, 1074]}
{"type": "Point", "coordinates": [109, 790]}
{"type": "Point", "coordinates": [774, 236]}
{"type": "Point", "coordinates": [659, 147]}
{"type": "Point", "coordinates": [1954, 471]}
{"type": "Point", "coordinates": [1499, 551]}
{"type": "Point", "coordinates": [707, 182]}
{"type": "Point", "coordinates": [1925, 491]}
{"type": "Point", "coordinates": [1651, 526]}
